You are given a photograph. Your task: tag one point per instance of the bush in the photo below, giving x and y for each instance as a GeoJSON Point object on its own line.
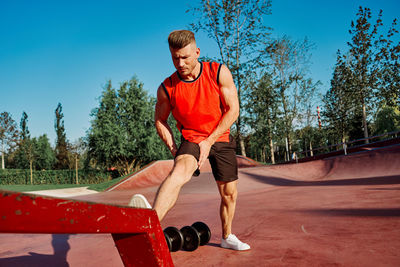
{"type": "Point", "coordinates": [85, 176]}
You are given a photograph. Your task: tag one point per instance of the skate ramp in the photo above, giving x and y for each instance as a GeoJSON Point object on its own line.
{"type": "Point", "coordinates": [339, 211]}
{"type": "Point", "coordinates": [154, 173]}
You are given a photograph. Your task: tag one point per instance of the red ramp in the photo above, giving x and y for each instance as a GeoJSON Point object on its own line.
{"type": "Point", "coordinates": [136, 232]}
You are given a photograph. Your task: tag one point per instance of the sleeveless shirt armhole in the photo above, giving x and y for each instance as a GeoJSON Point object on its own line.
{"type": "Point", "coordinates": [166, 91]}
{"type": "Point", "coordinates": [219, 69]}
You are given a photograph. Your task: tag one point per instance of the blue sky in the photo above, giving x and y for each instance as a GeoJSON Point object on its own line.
{"type": "Point", "coordinates": [65, 51]}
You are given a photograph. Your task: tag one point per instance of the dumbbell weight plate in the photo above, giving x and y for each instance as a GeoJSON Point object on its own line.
{"type": "Point", "coordinates": [204, 231]}
{"type": "Point", "coordinates": [191, 238]}
{"type": "Point", "coordinates": [174, 238]}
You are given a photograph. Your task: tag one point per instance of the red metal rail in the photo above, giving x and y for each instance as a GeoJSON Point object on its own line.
{"type": "Point", "coordinates": [137, 233]}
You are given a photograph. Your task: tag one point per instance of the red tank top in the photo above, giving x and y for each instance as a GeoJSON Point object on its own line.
{"type": "Point", "coordinates": [197, 105]}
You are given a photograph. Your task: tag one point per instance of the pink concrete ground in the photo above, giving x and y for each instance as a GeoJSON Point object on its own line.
{"type": "Point", "coordinates": [341, 211]}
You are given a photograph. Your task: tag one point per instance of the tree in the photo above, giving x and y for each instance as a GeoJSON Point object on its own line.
{"type": "Point", "coordinates": [288, 62]}
{"type": "Point", "coordinates": [104, 133]}
{"type": "Point", "coordinates": [61, 149]}
{"type": "Point", "coordinates": [8, 135]}
{"type": "Point", "coordinates": [262, 106]}
{"type": "Point", "coordinates": [338, 105]}
{"type": "Point", "coordinates": [387, 120]}
{"type": "Point", "coordinates": [77, 148]}
{"type": "Point", "coordinates": [373, 62]}
{"type": "Point", "coordinates": [122, 134]}
{"type": "Point", "coordinates": [389, 76]}
{"type": "Point", "coordinates": [26, 151]}
{"type": "Point", "coordinates": [237, 28]}
{"type": "Point", "coordinates": [44, 154]}
{"type": "Point", "coordinates": [310, 137]}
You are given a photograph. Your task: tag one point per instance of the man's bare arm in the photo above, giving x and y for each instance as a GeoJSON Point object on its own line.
{"type": "Point", "coordinates": [162, 112]}
{"type": "Point", "coordinates": [229, 94]}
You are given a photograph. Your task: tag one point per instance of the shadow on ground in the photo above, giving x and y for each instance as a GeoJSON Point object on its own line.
{"type": "Point", "coordinates": [278, 181]}
{"type": "Point", "coordinates": [355, 212]}
{"type": "Point", "coordinates": [59, 258]}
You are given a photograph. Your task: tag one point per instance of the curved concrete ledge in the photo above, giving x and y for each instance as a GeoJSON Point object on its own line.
{"type": "Point", "coordinates": [154, 173]}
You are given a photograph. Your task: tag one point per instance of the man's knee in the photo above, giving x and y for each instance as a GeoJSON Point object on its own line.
{"type": "Point", "coordinates": [183, 169]}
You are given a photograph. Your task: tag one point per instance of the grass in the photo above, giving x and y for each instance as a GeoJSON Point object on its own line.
{"type": "Point", "coordinates": [25, 188]}
{"type": "Point", "coordinates": [103, 186]}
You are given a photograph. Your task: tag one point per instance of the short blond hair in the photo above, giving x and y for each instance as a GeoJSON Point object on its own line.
{"type": "Point", "coordinates": [180, 38]}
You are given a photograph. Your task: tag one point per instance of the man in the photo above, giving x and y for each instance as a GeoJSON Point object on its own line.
{"type": "Point", "coordinates": [203, 99]}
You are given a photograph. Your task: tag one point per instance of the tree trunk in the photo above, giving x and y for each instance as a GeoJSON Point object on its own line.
{"type": "Point", "coordinates": [287, 150]}
{"type": "Point", "coordinates": [2, 156]}
{"type": "Point", "coordinates": [2, 160]}
{"type": "Point", "coordinates": [364, 111]}
{"type": "Point", "coordinates": [242, 146]}
{"type": "Point", "coordinates": [271, 147]}
{"type": "Point", "coordinates": [263, 154]}
{"type": "Point", "coordinates": [240, 139]}
{"type": "Point", "coordinates": [271, 143]}
{"type": "Point", "coordinates": [76, 169]}
{"type": "Point", "coordinates": [238, 128]}
{"type": "Point", "coordinates": [30, 166]}
{"type": "Point", "coordinates": [286, 123]}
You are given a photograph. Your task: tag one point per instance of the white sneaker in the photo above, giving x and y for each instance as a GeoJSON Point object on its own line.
{"type": "Point", "coordinates": [139, 201]}
{"type": "Point", "coordinates": [232, 242]}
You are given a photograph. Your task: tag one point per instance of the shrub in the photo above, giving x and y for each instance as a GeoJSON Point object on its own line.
{"type": "Point", "coordinates": [85, 176]}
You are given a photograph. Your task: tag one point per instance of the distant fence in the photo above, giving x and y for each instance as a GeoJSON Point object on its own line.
{"type": "Point", "coordinates": [20, 177]}
{"type": "Point", "coordinates": [347, 147]}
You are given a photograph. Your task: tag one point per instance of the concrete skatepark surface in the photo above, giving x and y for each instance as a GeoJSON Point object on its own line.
{"type": "Point", "coordinates": [339, 211]}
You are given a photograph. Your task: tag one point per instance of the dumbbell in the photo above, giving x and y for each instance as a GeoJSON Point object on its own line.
{"type": "Point", "coordinates": [196, 235]}
{"type": "Point", "coordinates": [174, 238]}
{"type": "Point", "coordinates": [189, 238]}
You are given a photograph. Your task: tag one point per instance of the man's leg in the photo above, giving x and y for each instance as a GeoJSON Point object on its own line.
{"type": "Point", "coordinates": [168, 191]}
{"type": "Point", "coordinates": [228, 192]}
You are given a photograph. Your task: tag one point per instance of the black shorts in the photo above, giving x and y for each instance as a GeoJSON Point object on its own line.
{"type": "Point", "coordinates": [222, 158]}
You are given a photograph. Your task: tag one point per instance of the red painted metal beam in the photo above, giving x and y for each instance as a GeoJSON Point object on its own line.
{"type": "Point", "coordinates": [137, 233]}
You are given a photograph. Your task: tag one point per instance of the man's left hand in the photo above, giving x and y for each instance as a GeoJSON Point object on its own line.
{"type": "Point", "coordinates": [205, 147]}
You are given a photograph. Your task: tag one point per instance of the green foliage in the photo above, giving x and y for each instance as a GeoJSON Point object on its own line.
{"type": "Point", "coordinates": [338, 111]}
{"type": "Point", "coordinates": [38, 187]}
{"type": "Point", "coordinates": [24, 154]}
{"type": "Point", "coordinates": [287, 60]}
{"type": "Point", "coordinates": [8, 135]}
{"type": "Point", "coordinates": [364, 79]}
{"type": "Point", "coordinates": [24, 126]}
{"type": "Point", "coordinates": [122, 134]}
{"type": "Point", "coordinates": [237, 28]}
{"type": "Point", "coordinates": [389, 76]}
{"type": "Point", "coordinates": [310, 137]}
{"type": "Point", "coordinates": [15, 176]}
{"type": "Point", "coordinates": [370, 73]}
{"type": "Point", "coordinates": [262, 109]}
{"type": "Point", "coordinates": [105, 185]}
{"type": "Point", "coordinates": [387, 120]}
{"type": "Point", "coordinates": [61, 149]}
{"type": "Point", "coordinates": [44, 154]}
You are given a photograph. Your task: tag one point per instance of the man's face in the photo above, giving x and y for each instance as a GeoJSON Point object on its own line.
{"type": "Point", "coordinates": [185, 59]}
